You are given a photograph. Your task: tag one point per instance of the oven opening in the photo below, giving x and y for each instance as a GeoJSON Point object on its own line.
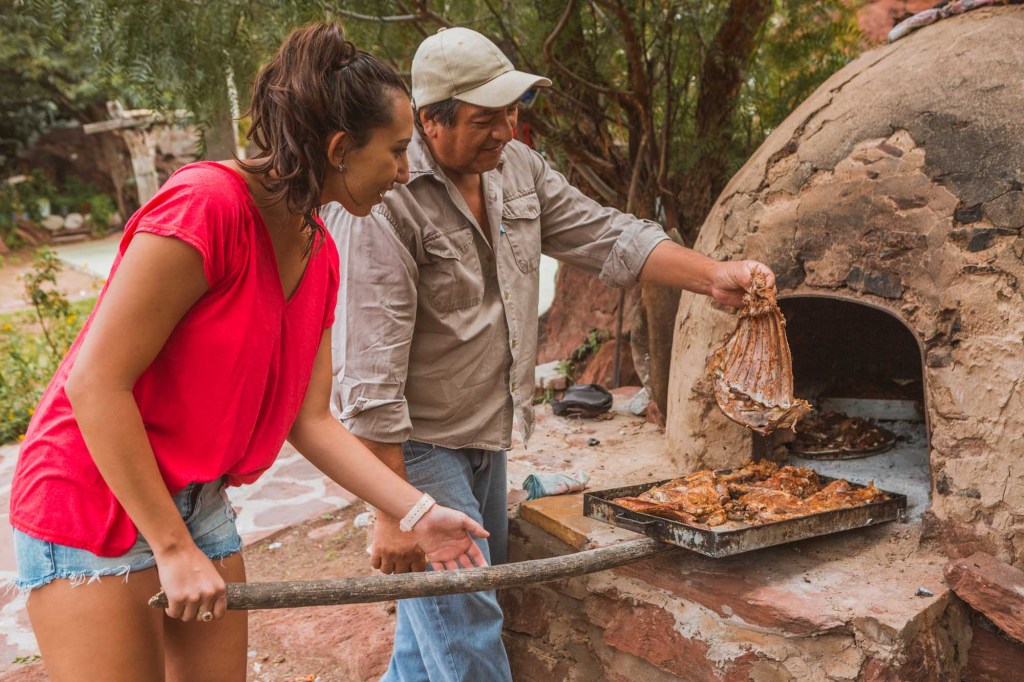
{"type": "Point", "coordinates": [861, 369]}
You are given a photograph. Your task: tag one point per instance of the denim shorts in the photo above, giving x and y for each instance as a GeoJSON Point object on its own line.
{"type": "Point", "coordinates": [204, 507]}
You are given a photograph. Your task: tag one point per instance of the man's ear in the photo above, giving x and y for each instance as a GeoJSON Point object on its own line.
{"type": "Point", "coordinates": [336, 148]}
{"type": "Point", "coordinates": [429, 124]}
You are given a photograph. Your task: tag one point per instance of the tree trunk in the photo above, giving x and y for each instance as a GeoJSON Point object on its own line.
{"type": "Point", "coordinates": [721, 77]}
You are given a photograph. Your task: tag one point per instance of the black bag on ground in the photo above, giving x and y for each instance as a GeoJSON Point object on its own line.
{"type": "Point", "coordinates": [583, 400]}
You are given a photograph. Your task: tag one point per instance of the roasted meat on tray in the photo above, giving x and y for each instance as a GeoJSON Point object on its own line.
{"type": "Point", "coordinates": [759, 492]}
{"type": "Point", "coordinates": [753, 371]}
{"type": "Point", "coordinates": [834, 433]}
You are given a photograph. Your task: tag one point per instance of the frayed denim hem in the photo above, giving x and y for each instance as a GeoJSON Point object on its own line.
{"type": "Point", "coordinates": [76, 578]}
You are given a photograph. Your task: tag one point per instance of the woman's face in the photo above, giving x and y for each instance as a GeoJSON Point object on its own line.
{"type": "Point", "coordinates": [374, 168]}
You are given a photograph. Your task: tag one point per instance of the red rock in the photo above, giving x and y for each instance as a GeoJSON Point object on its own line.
{"type": "Point", "coordinates": [992, 587]}
{"type": "Point", "coordinates": [993, 657]}
{"type": "Point", "coordinates": [649, 633]}
{"type": "Point", "coordinates": [528, 611]}
{"type": "Point", "coordinates": [600, 369]}
{"type": "Point", "coordinates": [581, 303]}
{"type": "Point", "coordinates": [878, 17]}
{"type": "Point", "coordinates": [739, 593]}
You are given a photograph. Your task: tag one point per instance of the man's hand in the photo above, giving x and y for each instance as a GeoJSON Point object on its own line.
{"type": "Point", "coordinates": [393, 551]}
{"type": "Point", "coordinates": [732, 279]}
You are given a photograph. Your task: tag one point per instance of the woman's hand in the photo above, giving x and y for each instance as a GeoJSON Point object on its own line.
{"type": "Point", "coordinates": [192, 584]}
{"type": "Point", "coordinates": [444, 536]}
{"type": "Point", "coordinates": [732, 279]}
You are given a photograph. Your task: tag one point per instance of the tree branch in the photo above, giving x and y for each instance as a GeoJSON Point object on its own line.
{"type": "Point", "coordinates": [549, 55]}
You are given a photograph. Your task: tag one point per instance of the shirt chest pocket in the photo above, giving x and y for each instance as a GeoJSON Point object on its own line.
{"type": "Point", "coordinates": [520, 226]}
{"type": "Point", "coordinates": [451, 274]}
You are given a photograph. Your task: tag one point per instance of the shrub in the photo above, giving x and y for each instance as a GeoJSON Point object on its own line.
{"type": "Point", "coordinates": [33, 343]}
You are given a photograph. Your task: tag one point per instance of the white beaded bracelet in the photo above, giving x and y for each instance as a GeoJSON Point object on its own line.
{"type": "Point", "coordinates": [416, 513]}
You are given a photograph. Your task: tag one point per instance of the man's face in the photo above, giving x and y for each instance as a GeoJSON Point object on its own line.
{"type": "Point", "coordinates": [474, 143]}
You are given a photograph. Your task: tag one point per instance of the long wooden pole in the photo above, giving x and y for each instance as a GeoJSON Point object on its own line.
{"type": "Point", "coordinates": [294, 594]}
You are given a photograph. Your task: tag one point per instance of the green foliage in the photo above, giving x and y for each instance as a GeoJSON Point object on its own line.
{"type": "Point", "coordinates": [545, 397]}
{"type": "Point", "coordinates": [101, 209]}
{"type": "Point", "coordinates": [49, 76]}
{"type": "Point", "coordinates": [630, 77]}
{"type": "Point", "coordinates": [25, 200]}
{"type": "Point", "coordinates": [33, 344]}
{"type": "Point", "coordinates": [595, 339]}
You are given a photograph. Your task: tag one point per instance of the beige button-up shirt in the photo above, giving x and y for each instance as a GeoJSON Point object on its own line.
{"type": "Point", "coordinates": [436, 331]}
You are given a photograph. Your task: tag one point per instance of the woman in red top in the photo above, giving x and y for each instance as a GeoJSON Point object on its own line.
{"type": "Point", "coordinates": [209, 346]}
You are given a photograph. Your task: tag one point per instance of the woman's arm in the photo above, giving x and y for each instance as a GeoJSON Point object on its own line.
{"type": "Point", "coordinates": [442, 533]}
{"type": "Point", "coordinates": [158, 280]}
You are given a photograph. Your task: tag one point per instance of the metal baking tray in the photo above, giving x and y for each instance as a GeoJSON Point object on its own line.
{"type": "Point", "coordinates": [736, 537]}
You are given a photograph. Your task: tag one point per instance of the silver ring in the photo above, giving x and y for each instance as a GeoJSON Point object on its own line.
{"type": "Point", "coordinates": [206, 616]}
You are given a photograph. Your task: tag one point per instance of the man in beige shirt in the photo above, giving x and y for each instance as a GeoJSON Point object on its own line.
{"type": "Point", "coordinates": [436, 337]}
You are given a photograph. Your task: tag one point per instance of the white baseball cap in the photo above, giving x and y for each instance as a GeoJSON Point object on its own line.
{"type": "Point", "coordinates": [462, 64]}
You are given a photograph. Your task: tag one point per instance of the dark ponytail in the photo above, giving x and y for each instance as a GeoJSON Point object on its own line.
{"type": "Point", "coordinates": [318, 84]}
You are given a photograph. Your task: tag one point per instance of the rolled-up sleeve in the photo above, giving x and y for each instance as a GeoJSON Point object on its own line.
{"type": "Point", "coordinates": [577, 230]}
{"type": "Point", "coordinates": [373, 327]}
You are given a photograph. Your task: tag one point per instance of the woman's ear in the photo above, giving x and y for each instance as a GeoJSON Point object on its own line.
{"type": "Point", "coordinates": [336, 148]}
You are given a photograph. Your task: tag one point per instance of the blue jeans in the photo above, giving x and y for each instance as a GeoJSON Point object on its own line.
{"type": "Point", "coordinates": [458, 636]}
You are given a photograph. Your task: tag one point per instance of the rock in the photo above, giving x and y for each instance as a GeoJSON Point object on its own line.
{"type": "Point", "coordinates": [74, 221]}
{"type": "Point", "coordinates": [547, 376]}
{"type": "Point", "coordinates": [52, 223]}
{"type": "Point", "coordinates": [638, 404]}
{"type": "Point", "coordinates": [600, 368]}
{"type": "Point", "coordinates": [581, 303]}
{"type": "Point", "coordinates": [884, 284]}
{"type": "Point", "coordinates": [992, 657]}
{"type": "Point", "coordinates": [992, 587]}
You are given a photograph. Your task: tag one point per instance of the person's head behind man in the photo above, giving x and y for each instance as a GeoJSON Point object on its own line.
{"type": "Point", "coordinates": [467, 94]}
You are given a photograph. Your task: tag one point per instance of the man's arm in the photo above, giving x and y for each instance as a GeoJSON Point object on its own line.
{"type": "Point", "coordinates": [372, 335]}
{"type": "Point", "coordinates": [623, 249]}
{"type": "Point", "coordinates": [391, 550]}
{"type": "Point", "coordinates": [676, 266]}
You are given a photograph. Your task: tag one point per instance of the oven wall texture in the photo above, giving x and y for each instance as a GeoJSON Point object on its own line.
{"type": "Point", "coordinates": [898, 184]}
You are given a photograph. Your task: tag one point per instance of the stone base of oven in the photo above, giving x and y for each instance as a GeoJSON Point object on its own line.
{"type": "Point", "coordinates": [845, 607]}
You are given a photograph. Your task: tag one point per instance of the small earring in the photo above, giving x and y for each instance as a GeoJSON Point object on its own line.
{"type": "Point", "coordinates": [341, 168]}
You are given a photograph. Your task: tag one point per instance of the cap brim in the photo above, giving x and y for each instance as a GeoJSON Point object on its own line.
{"type": "Point", "coordinates": [503, 90]}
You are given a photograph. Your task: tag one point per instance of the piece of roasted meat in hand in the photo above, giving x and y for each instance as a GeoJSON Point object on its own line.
{"type": "Point", "coordinates": [753, 370]}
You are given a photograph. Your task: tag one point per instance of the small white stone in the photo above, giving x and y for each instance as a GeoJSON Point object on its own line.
{"type": "Point", "coordinates": [52, 223]}
{"type": "Point", "coordinates": [73, 221]}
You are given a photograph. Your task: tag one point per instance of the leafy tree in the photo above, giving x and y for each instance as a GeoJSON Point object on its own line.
{"type": "Point", "coordinates": [656, 102]}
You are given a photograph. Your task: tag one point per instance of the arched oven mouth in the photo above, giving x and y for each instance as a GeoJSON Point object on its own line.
{"type": "Point", "coordinates": [861, 368]}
